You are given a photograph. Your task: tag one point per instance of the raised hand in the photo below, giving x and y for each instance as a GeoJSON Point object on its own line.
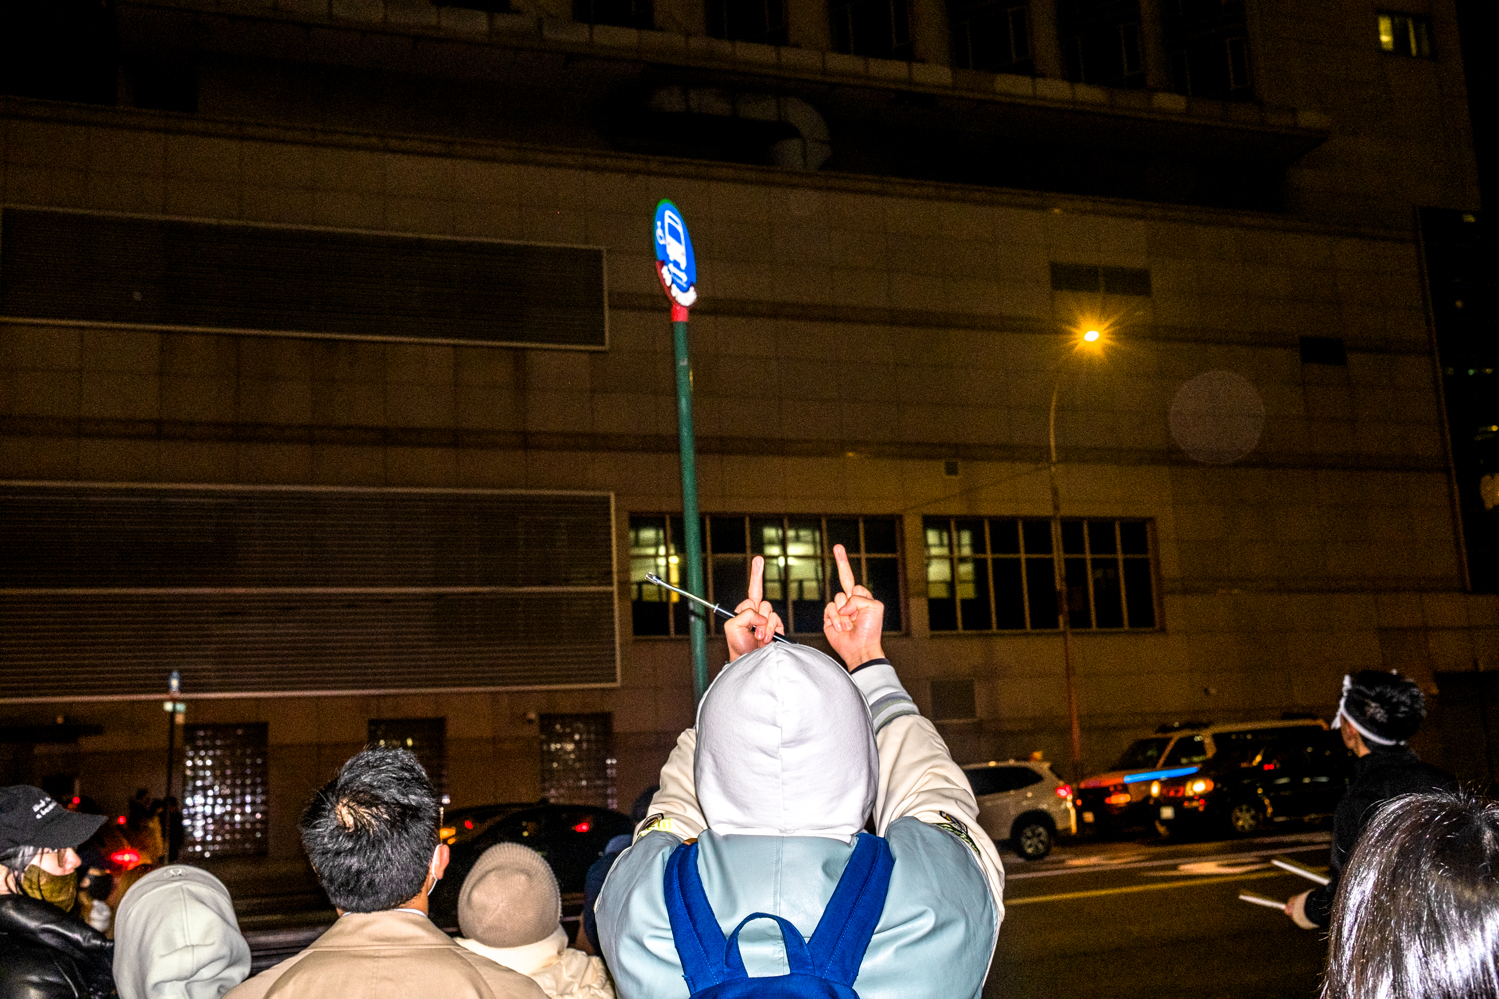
{"type": "Point", "coordinates": [754, 620]}
{"type": "Point", "coordinates": [854, 621]}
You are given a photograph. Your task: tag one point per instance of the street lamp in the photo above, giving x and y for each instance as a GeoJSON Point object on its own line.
{"type": "Point", "coordinates": [1089, 339]}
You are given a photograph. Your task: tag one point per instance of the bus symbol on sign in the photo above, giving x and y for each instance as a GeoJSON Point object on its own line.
{"type": "Point", "coordinates": [675, 263]}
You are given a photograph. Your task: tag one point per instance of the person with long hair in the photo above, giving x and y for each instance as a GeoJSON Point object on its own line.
{"type": "Point", "coordinates": [1417, 913]}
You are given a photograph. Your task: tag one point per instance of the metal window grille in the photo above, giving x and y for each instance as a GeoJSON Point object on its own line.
{"type": "Point", "coordinates": [998, 574]}
{"type": "Point", "coordinates": [427, 738]}
{"type": "Point", "coordinates": [577, 759]}
{"type": "Point", "coordinates": [106, 589]}
{"type": "Point", "coordinates": [224, 799]}
{"type": "Point", "coordinates": [800, 573]}
{"type": "Point", "coordinates": [161, 273]}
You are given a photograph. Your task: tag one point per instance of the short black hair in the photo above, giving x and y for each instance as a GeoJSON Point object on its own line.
{"type": "Point", "coordinates": [1417, 910]}
{"type": "Point", "coordinates": [370, 831]}
{"type": "Point", "coordinates": [1392, 703]}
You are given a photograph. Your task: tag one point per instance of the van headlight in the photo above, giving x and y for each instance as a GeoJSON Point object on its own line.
{"type": "Point", "coordinates": [1201, 785]}
{"type": "Point", "coordinates": [1155, 789]}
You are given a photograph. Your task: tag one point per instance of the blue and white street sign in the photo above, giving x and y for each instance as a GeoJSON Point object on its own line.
{"type": "Point", "coordinates": [675, 263]}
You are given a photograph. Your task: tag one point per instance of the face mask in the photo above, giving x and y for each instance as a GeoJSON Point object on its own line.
{"type": "Point", "coordinates": [60, 890]}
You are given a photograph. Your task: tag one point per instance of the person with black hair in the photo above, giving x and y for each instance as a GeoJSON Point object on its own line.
{"type": "Point", "coordinates": [1378, 714]}
{"type": "Point", "coordinates": [45, 950]}
{"type": "Point", "coordinates": [1418, 911]}
{"type": "Point", "coordinates": [371, 834]}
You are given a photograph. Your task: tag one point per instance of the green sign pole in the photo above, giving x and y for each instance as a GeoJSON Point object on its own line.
{"type": "Point", "coordinates": [692, 530]}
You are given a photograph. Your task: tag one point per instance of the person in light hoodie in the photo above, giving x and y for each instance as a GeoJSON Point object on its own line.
{"type": "Point", "coordinates": [176, 937]}
{"type": "Point", "coordinates": [792, 755]}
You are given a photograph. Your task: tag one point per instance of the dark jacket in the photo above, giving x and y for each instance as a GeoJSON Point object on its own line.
{"type": "Point", "coordinates": [47, 954]}
{"type": "Point", "coordinates": [1385, 773]}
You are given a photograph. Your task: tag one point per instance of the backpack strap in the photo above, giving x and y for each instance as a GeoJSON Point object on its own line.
{"type": "Point", "coordinates": [797, 956]}
{"type": "Point", "coordinates": [843, 933]}
{"type": "Point", "coordinates": [694, 929]}
{"type": "Point", "coordinates": [837, 946]}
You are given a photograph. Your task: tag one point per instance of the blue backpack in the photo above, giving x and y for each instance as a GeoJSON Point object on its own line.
{"type": "Point", "coordinates": [824, 967]}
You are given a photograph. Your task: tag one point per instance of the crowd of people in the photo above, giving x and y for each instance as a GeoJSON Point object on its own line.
{"type": "Point", "coordinates": [810, 835]}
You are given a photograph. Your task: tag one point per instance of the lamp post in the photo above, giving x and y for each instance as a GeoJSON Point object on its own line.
{"type": "Point", "coordinates": [1059, 564]}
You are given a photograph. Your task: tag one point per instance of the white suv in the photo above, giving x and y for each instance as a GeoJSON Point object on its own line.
{"type": "Point", "coordinates": [1022, 802]}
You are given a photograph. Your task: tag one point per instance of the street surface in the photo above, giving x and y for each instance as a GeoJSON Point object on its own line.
{"type": "Point", "coordinates": [1114, 920]}
{"type": "Point", "coordinates": [1157, 919]}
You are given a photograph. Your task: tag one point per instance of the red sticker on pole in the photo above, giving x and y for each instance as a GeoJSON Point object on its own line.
{"type": "Point", "coordinates": [675, 264]}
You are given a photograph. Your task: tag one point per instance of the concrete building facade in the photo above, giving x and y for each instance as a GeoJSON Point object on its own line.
{"type": "Point", "coordinates": [880, 331]}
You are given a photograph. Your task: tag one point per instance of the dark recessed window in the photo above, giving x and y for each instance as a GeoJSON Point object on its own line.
{"type": "Point", "coordinates": [998, 574]}
{"type": "Point", "coordinates": [620, 13]}
{"type": "Point", "coordinates": [1208, 46]}
{"type": "Point", "coordinates": [880, 29]}
{"type": "Point", "coordinates": [762, 21]}
{"type": "Point", "coordinates": [1101, 42]}
{"type": "Point", "coordinates": [1406, 34]}
{"type": "Point", "coordinates": [800, 575]}
{"type": "Point", "coordinates": [1324, 350]}
{"type": "Point", "coordinates": [492, 6]}
{"type": "Point", "coordinates": [1109, 280]}
{"type": "Point", "coordinates": [1126, 281]}
{"type": "Point", "coordinates": [991, 35]}
{"type": "Point", "coordinates": [1074, 277]}
{"type": "Point", "coordinates": [427, 738]}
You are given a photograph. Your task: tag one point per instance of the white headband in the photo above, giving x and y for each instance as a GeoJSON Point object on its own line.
{"type": "Point", "coordinates": [1343, 713]}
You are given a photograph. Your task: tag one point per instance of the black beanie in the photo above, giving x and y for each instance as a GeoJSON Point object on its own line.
{"type": "Point", "coordinates": [1386, 708]}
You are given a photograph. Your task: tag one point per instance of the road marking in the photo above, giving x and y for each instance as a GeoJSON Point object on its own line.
{"type": "Point", "coordinates": [1104, 868]}
{"type": "Point", "coordinates": [1131, 889]}
{"type": "Point", "coordinates": [1206, 868]}
{"type": "Point", "coordinates": [1102, 860]}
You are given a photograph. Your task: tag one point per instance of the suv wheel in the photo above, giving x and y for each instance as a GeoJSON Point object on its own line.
{"type": "Point", "coordinates": [1245, 818]}
{"type": "Point", "coordinates": [1032, 839]}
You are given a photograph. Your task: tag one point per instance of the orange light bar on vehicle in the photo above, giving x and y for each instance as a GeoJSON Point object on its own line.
{"type": "Point", "coordinates": [1122, 798]}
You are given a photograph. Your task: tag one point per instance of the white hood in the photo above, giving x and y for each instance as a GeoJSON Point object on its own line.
{"type": "Point", "coordinates": [785, 747]}
{"type": "Point", "coordinates": [176, 937]}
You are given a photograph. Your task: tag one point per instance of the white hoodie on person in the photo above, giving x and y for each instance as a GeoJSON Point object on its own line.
{"type": "Point", "coordinates": [176, 937]}
{"type": "Point", "coordinates": [561, 971]}
{"type": "Point", "coordinates": [790, 758]}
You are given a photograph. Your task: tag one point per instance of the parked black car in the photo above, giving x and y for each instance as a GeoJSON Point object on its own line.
{"type": "Point", "coordinates": [1299, 776]}
{"type": "Point", "coordinates": [570, 837]}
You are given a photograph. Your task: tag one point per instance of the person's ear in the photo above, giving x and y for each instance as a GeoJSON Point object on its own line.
{"type": "Point", "coordinates": [440, 858]}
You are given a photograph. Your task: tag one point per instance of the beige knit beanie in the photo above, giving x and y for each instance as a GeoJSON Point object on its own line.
{"type": "Point", "coordinates": [510, 898]}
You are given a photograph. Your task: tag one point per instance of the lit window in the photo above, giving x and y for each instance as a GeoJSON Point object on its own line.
{"type": "Point", "coordinates": [224, 799]}
{"type": "Point", "coordinates": [1406, 34]}
{"type": "Point", "coordinates": [800, 575]}
{"type": "Point", "coordinates": [425, 737]}
{"type": "Point", "coordinates": [998, 574]}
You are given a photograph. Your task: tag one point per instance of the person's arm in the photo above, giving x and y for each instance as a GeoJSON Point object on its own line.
{"type": "Point", "coordinates": [918, 777]}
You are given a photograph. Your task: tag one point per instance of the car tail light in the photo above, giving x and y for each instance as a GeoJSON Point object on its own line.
{"type": "Point", "coordinates": [120, 821]}
{"type": "Point", "coordinates": [1122, 798]}
{"type": "Point", "coordinates": [125, 858]}
{"type": "Point", "coordinates": [1176, 792]}
{"type": "Point", "coordinates": [468, 823]}
{"type": "Point", "coordinates": [583, 826]}
{"type": "Point", "coordinates": [1065, 791]}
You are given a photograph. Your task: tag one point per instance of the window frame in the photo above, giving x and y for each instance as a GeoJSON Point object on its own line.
{"type": "Point", "coordinates": [1411, 34]}
{"type": "Point", "coordinates": [828, 578]}
{"type": "Point", "coordinates": [988, 556]}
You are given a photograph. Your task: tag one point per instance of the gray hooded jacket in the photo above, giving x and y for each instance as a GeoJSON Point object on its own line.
{"type": "Point", "coordinates": [176, 937]}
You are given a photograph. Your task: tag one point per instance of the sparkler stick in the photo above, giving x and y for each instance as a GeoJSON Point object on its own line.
{"type": "Point", "coordinates": [651, 577]}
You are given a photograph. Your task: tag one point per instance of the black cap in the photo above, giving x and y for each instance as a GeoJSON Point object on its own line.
{"type": "Point", "coordinates": [29, 817]}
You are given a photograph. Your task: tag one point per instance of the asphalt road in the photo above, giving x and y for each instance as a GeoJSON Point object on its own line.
{"type": "Point", "coordinates": [1158, 919]}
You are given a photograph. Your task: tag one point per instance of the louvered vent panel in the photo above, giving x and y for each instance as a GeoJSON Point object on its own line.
{"type": "Point", "coordinates": [105, 591]}
{"type": "Point", "coordinates": [176, 274]}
